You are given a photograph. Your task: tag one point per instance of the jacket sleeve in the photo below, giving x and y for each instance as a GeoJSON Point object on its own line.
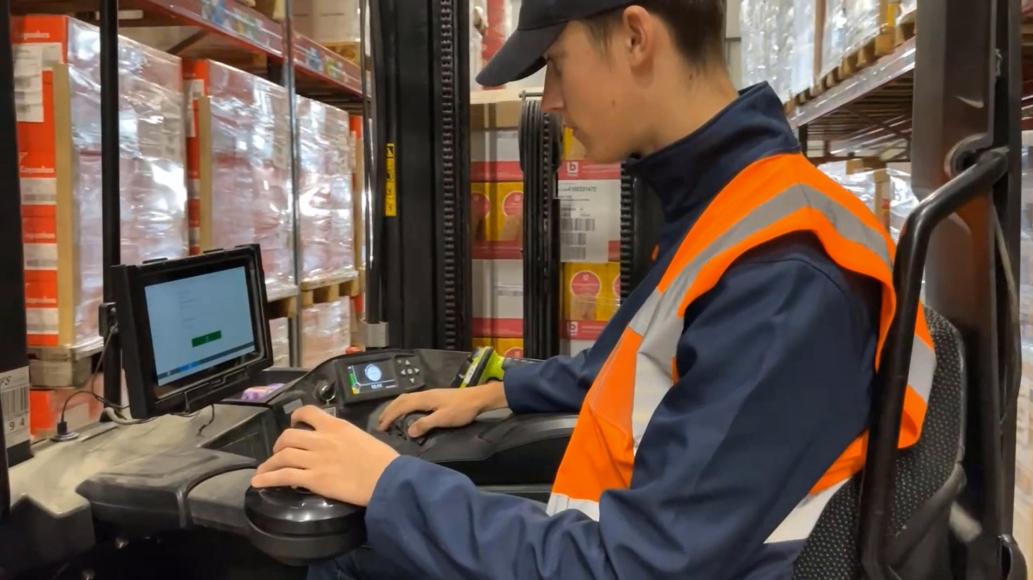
{"type": "Point", "coordinates": [776, 369]}
{"type": "Point", "coordinates": [557, 385]}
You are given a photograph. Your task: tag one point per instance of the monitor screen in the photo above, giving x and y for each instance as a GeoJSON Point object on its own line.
{"type": "Point", "coordinates": [194, 330]}
{"type": "Point", "coordinates": [371, 377]}
{"type": "Point", "coordinates": [198, 323]}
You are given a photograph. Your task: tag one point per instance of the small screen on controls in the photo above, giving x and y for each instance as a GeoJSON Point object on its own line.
{"type": "Point", "coordinates": [371, 377]}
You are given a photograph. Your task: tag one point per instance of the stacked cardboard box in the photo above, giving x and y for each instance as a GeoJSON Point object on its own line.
{"type": "Point", "coordinates": [239, 167]}
{"type": "Point", "coordinates": [57, 65]}
{"type": "Point", "coordinates": [590, 245]}
{"type": "Point", "coordinates": [325, 193]}
{"type": "Point", "coordinates": [326, 331]}
{"type": "Point", "coordinates": [497, 191]}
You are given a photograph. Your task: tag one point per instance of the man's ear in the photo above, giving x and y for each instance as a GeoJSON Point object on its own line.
{"type": "Point", "coordinates": [641, 30]}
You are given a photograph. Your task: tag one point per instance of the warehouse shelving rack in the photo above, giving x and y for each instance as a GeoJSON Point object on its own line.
{"type": "Point", "coordinates": [226, 31]}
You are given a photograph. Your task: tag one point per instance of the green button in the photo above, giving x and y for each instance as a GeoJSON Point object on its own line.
{"type": "Point", "coordinates": [202, 340]}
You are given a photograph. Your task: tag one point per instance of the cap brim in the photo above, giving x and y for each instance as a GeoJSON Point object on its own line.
{"type": "Point", "coordinates": [521, 56]}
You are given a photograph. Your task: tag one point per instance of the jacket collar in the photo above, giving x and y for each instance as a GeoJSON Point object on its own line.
{"type": "Point", "coordinates": [689, 173]}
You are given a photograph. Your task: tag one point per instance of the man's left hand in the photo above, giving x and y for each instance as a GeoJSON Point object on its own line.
{"type": "Point", "coordinates": [336, 460]}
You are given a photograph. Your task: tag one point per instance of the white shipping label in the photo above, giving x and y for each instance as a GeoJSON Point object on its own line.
{"type": "Point", "coordinates": [30, 60]}
{"type": "Point", "coordinates": [589, 219]}
{"type": "Point", "coordinates": [40, 256]}
{"type": "Point", "coordinates": [41, 320]}
{"type": "Point", "coordinates": [39, 191]}
{"type": "Point", "coordinates": [14, 397]}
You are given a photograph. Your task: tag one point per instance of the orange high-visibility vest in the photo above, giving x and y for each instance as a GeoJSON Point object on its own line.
{"type": "Point", "coordinates": [769, 199]}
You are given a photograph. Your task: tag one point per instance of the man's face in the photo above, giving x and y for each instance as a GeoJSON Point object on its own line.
{"type": "Point", "coordinates": [589, 87]}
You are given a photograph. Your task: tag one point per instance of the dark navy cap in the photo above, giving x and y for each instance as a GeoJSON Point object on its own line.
{"type": "Point", "coordinates": [541, 22]}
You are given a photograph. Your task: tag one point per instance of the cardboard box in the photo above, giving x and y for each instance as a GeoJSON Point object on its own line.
{"type": "Point", "coordinates": [573, 150]}
{"type": "Point", "coordinates": [495, 109]}
{"type": "Point", "coordinates": [326, 21]}
{"type": "Point", "coordinates": [498, 214]}
{"type": "Point", "coordinates": [325, 193]}
{"type": "Point", "coordinates": [591, 296]}
{"type": "Point", "coordinates": [57, 101]}
{"type": "Point", "coordinates": [507, 347]}
{"type": "Point", "coordinates": [239, 167]}
{"type": "Point", "coordinates": [498, 305]}
{"type": "Point", "coordinates": [495, 156]}
{"type": "Point", "coordinates": [46, 406]}
{"type": "Point", "coordinates": [589, 212]}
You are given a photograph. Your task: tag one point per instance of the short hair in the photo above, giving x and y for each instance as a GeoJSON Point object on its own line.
{"type": "Point", "coordinates": [698, 27]}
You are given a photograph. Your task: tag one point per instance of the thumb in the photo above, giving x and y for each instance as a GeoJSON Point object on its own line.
{"type": "Point", "coordinates": [420, 427]}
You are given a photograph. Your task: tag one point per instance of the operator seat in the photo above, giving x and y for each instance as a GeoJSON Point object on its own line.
{"type": "Point", "coordinates": [929, 478]}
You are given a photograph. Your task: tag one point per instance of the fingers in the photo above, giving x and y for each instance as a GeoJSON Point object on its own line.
{"type": "Point", "coordinates": [288, 458]}
{"type": "Point", "coordinates": [423, 425]}
{"type": "Point", "coordinates": [287, 477]}
{"type": "Point", "coordinates": [298, 439]}
{"type": "Point", "coordinates": [317, 418]}
{"type": "Point", "coordinates": [402, 406]}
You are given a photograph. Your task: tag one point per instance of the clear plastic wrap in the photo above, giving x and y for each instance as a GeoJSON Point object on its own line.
{"type": "Point", "coordinates": [887, 192]}
{"type": "Point", "coordinates": [325, 192]}
{"type": "Point", "coordinates": [279, 335]}
{"type": "Point", "coordinates": [152, 166]}
{"type": "Point", "coordinates": [325, 331]}
{"type": "Point", "coordinates": [243, 140]}
{"type": "Point", "coordinates": [835, 35]}
{"type": "Point", "coordinates": [778, 44]}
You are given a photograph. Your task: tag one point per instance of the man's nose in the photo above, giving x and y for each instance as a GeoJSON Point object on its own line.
{"type": "Point", "coordinates": [552, 98]}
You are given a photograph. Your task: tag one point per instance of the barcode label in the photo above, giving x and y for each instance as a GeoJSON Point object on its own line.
{"type": "Point", "coordinates": [567, 239]}
{"type": "Point", "coordinates": [14, 397]}
{"type": "Point", "coordinates": [574, 253]}
{"type": "Point", "coordinates": [15, 402]}
{"type": "Point", "coordinates": [577, 225]}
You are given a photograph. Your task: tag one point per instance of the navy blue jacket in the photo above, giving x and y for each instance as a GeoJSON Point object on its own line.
{"type": "Point", "coordinates": [776, 372]}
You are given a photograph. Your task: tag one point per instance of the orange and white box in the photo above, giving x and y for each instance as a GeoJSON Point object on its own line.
{"type": "Point", "coordinates": [591, 296]}
{"type": "Point", "coordinates": [589, 212]}
{"type": "Point", "coordinates": [57, 100]}
{"type": "Point", "coordinates": [498, 304]}
{"type": "Point", "coordinates": [498, 214]}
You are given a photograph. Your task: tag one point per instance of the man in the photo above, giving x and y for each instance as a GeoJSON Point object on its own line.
{"type": "Point", "coordinates": [724, 404]}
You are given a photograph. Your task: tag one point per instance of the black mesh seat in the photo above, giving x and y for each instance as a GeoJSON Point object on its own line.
{"type": "Point", "coordinates": [929, 478]}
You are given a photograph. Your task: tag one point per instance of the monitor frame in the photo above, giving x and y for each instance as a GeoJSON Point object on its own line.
{"type": "Point", "coordinates": [211, 385]}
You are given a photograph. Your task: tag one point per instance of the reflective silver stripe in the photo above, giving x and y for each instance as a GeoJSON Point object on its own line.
{"type": "Point", "coordinates": [559, 502]}
{"type": "Point", "coordinates": [800, 522]}
{"type": "Point", "coordinates": [923, 366]}
{"type": "Point", "coordinates": [658, 322]}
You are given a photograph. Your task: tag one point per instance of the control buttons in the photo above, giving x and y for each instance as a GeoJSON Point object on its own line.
{"type": "Point", "coordinates": [325, 391]}
{"type": "Point", "coordinates": [416, 370]}
{"type": "Point", "coordinates": [412, 381]}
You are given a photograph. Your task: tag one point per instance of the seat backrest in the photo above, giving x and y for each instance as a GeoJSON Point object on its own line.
{"type": "Point", "coordinates": [831, 552]}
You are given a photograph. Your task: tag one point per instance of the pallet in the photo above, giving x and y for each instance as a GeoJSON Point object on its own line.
{"type": "Point", "coordinates": [282, 308]}
{"type": "Point", "coordinates": [906, 27]}
{"type": "Point", "coordinates": [330, 289]}
{"type": "Point", "coordinates": [64, 367]}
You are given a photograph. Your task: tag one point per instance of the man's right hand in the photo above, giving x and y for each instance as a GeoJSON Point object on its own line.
{"type": "Point", "coordinates": [447, 407]}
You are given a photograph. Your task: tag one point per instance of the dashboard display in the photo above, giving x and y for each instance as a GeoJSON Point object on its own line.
{"type": "Point", "coordinates": [371, 377]}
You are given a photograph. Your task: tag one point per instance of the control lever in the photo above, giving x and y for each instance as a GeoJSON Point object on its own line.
{"type": "Point", "coordinates": [298, 527]}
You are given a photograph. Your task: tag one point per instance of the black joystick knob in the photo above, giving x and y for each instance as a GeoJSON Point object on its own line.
{"type": "Point", "coordinates": [298, 527]}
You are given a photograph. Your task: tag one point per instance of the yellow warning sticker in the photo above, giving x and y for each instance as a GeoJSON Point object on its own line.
{"type": "Point", "coordinates": [391, 189]}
